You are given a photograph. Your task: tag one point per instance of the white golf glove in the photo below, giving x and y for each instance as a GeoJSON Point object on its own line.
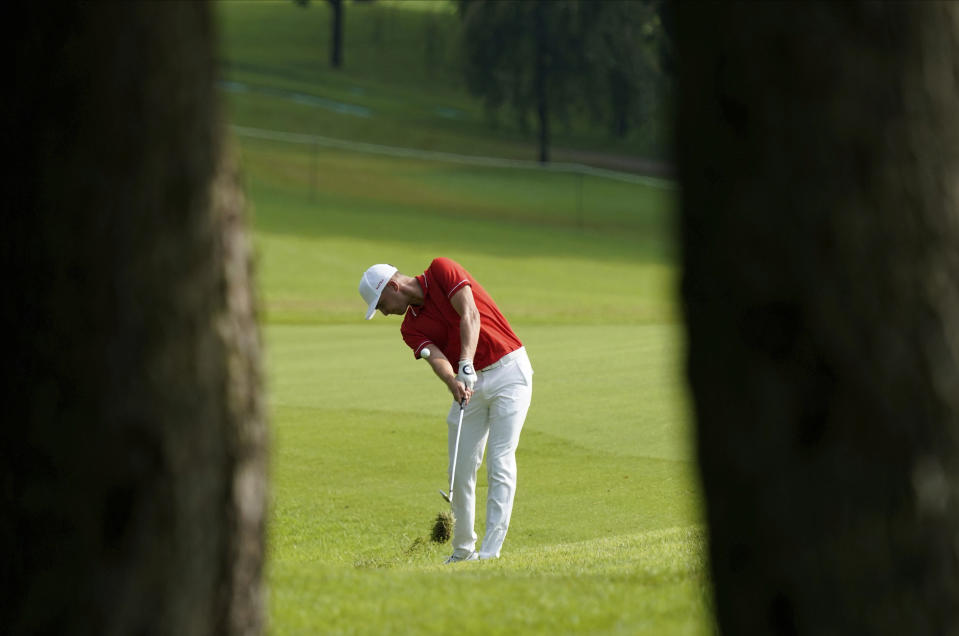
{"type": "Point", "coordinates": [467, 375]}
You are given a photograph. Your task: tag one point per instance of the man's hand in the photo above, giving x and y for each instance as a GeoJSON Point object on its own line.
{"type": "Point", "coordinates": [466, 375]}
{"type": "Point", "coordinates": [460, 392]}
{"type": "Point", "coordinates": [444, 371]}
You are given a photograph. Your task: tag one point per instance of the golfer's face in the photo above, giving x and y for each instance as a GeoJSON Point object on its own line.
{"type": "Point", "coordinates": [391, 302]}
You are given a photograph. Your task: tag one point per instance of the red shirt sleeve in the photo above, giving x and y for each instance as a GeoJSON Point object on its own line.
{"type": "Point", "coordinates": [415, 341]}
{"type": "Point", "coordinates": [448, 275]}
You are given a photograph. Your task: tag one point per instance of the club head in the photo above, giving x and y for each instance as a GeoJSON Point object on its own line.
{"type": "Point", "coordinates": [446, 497]}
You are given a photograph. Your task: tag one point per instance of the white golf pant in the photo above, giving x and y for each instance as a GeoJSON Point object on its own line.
{"type": "Point", "coordinates": [492, 420]}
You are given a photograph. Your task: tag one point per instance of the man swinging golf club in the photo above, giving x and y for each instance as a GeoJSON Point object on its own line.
{"type": "Point", "coordinates": [447, 311]}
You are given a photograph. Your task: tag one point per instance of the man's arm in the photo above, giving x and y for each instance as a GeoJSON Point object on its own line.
{"type": "Point", "coordinates": [444, 371]}
{"type": "Point", "coordinates": [465, 306]}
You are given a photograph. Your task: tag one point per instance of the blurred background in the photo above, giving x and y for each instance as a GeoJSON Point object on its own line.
{"type": "Point", "coordinates": [532, 142]}
{"type": "Point", "coordinates": [527, 129]}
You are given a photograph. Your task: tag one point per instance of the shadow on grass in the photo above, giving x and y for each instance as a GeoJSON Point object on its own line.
{"type": "Point", "coordinates": [465, 226]}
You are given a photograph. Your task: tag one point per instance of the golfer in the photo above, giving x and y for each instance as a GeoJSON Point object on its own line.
{"type": "Point", "coordinates": [482, 362]}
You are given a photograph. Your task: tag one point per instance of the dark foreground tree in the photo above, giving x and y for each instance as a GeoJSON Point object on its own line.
{"type": "Point", "coordinates": [819, 158]}
{"type": "Point", "coordinates": [132, 468]}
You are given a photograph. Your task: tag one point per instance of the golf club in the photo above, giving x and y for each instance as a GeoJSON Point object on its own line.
{"type": "Point", "coordinates": [456, 449]}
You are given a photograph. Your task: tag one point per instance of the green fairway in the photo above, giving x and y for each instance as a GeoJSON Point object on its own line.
{"type": "Point", "coordinates": [607, 534]}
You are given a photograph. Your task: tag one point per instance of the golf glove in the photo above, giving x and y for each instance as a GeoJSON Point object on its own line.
{"type": "Point", "coordinates": [467, 375]}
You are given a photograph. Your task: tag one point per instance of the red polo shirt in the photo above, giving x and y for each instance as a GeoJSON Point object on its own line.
{"type": "Point", "coordinates": [437, 324]}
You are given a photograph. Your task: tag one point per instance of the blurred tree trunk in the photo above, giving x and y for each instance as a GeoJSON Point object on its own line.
{"type": "Point", "coordinates": [541, 68]}
{"type": "Point", "coordinates": [819, 153]}
{"type": "Point", "coordinates": [133, 449]}
{"type": "Point", "coordinates": [620, 94]}
{"type": "Point", "coordinates": [336, 46]}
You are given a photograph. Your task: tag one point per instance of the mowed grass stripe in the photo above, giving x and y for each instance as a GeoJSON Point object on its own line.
{"type": "Point", "coordinates": [534, 195]}
{"type": "Point", "coordinates": [612, 388]}
{"type": "Point", "coordinates": [655, 579]}
{"type": "Point", "coordinates": [366, 491]}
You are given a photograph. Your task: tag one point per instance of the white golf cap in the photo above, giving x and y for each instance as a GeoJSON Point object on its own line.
{"type": "Point", "coordinates": [372, 283]}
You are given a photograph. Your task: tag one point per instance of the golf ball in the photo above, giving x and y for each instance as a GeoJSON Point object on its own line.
{"type": "Point", "coordinates": [425, 352]}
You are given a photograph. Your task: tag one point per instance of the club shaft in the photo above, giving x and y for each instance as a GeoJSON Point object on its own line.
{"type": "Point", "coordinates": [456, 448]}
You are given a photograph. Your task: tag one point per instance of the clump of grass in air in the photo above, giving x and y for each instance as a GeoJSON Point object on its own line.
{"type": "Point", "coordinates": [442, 528]}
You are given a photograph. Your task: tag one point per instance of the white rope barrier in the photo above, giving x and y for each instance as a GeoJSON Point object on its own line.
{"type": "Point", "coordinates": [432, 155]}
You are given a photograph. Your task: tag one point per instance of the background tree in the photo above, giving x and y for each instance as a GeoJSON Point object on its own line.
{"type": "Point", "coordinates": [336, 30]}
{"type": "Point", "coordinates": [336, 46]}
{"type": "Point", "coordinates": [548, 58]}
{"type": "Point", "coordinates": [527, 55]}
{"type": "Point", "coordinates": [133, 451]}
{"type": "Point", "coordinates": [819, 148]}
{"type": "Point", "coordinates": [626, 45]}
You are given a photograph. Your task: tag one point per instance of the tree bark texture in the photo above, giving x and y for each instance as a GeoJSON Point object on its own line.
{"type": "Point", "coordinates": [133, 455]}
{"type": "Point", "coordinates": [819, 158]}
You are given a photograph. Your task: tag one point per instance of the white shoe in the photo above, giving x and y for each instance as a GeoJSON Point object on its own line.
{"type": "Point", "coordinates": [456, 559]}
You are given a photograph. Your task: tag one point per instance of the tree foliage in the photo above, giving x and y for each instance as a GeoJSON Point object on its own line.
{"type": "Point", "coordinates": [625, 48]}
{"type": "Point", "coordinates": [550, 58]}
